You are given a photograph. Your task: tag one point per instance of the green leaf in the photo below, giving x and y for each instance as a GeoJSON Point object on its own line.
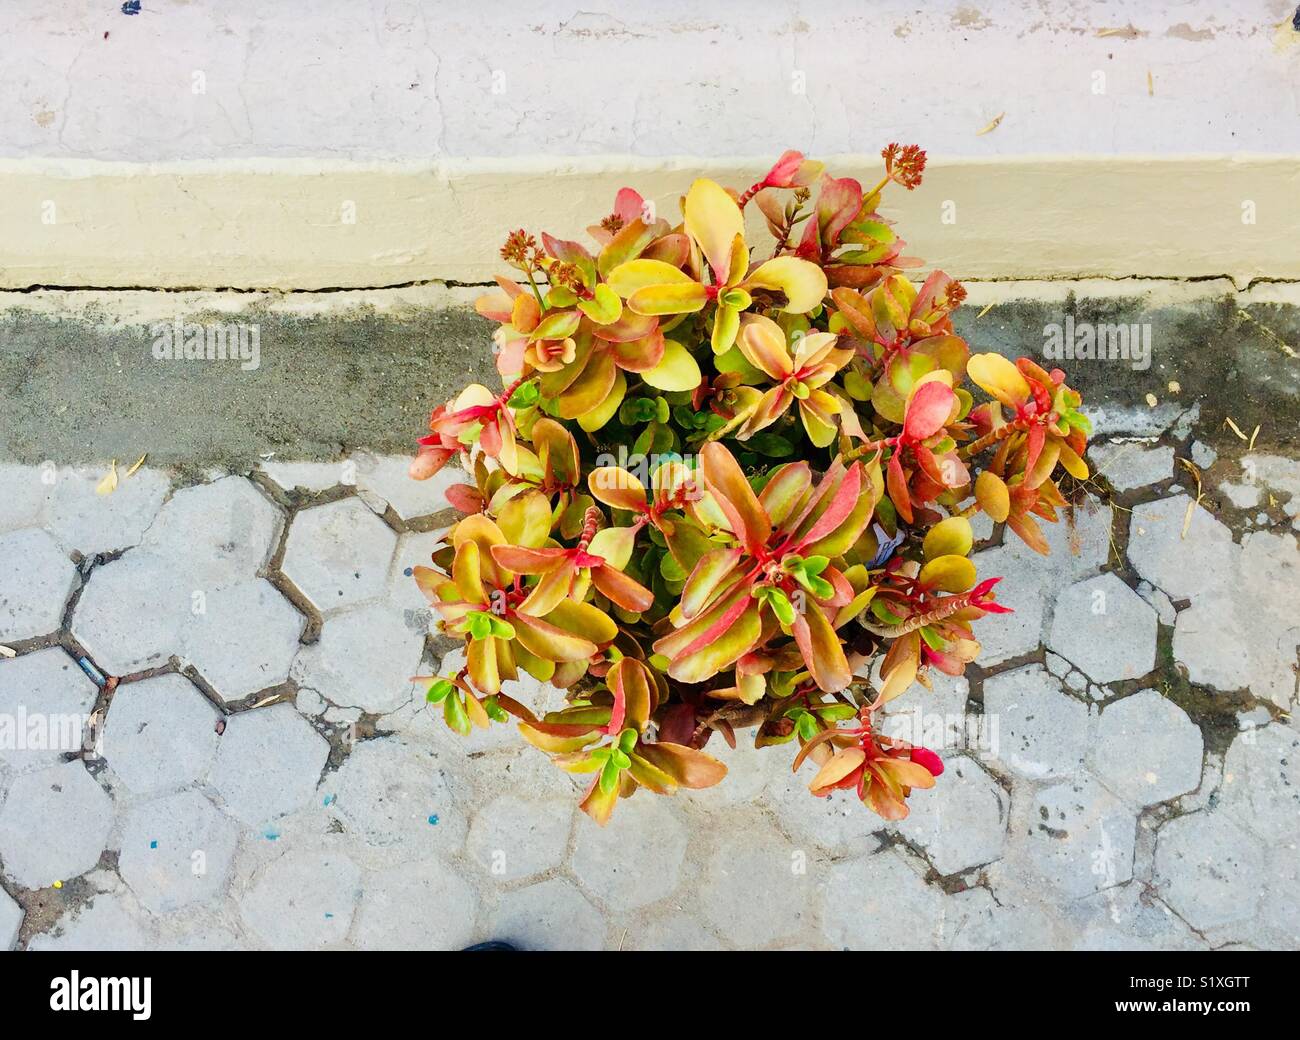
{"type": "Point", "coordinates": [781, 605]}
{"type": "Point", "coordinates": [884, 613]}
{"type": "Point", "coordinates": [560, 296]}
{"type": "Point", "coordinates": [772, 445]}
{"type": "Point", "coordinates": [609, 777]}
{"type": "Point", "coordinates": [453, 713]}
{"type": "Point", "coordinates": [438, 690]}
{"type": "Point", "coordinates": [931, 639]}
{"type": "Point", "coordinates": [815, 564]}
{"type": "Point", "coordinates": [525, 395]}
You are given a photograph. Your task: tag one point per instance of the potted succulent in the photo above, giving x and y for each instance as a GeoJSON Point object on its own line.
{"type": "Point", "coordinates": [715, 488]}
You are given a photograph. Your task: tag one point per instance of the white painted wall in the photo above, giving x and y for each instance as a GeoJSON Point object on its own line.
{"type": "Point", "coordinates": [414, 79]}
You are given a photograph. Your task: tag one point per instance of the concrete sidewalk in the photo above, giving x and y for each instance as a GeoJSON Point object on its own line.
{"type": "Point", "coordinates": [1123, 764]}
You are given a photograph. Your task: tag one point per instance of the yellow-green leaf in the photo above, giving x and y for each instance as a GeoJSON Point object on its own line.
{"type": "Point", "coordinates": [714, 220]}
{"type": "Point", "coordinates": [677, 370]}
{"type": "Point", "coordinates": [803, 283]}
{"type": "Point", "coordinates": [949, 574]}
{"type": "Point", "coordinates": [950, 537]}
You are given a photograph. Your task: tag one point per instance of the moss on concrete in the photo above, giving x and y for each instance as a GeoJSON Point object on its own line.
{"type": "Point", "coordinates": [81, 389]}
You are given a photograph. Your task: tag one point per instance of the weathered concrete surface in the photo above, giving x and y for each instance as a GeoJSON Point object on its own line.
{"type": "Point", "coordinates": [79, 383]}
{"type": "Point", "coordinates": [70, 389]}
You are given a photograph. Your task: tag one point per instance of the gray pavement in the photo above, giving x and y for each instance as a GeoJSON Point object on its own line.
{"type": "Point", "coordinates": [1122, 771]}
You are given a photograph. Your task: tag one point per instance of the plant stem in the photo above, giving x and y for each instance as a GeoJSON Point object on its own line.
{"type": "Point", "coordinates": [753, 190]}
{"type": "Point", "coordinates": [865, 449]}
{"type": "Point", "coordinates": [998, 435]}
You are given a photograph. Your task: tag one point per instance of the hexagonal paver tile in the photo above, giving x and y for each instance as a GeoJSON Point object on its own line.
{"type": "Point", "coordinates": [637, 864]}
{"type": "Point", "coordinates": [550, 915]}
{"type": "Point", "coordinates": [109, 922]}
{"type": "Point", "coordinates": [1182, 565]}
{"type": "Point", "coordinates": [881, 902]}
{"type": "Point", "coordinates": [1261, 782]}
{"type": "Point", "coordinates": [983, 924]}
{"type": "Point", "coordinates": [838, 822]}
{"type": "Point", "coordinates": [245, 638]}
{"type": "Point", "coordinates": [1083, 837]}
{"type": "Point", "coordinates": [757, 889]}
{"type": "Point", "coordinates": [1104, 628]}
{"type": "Point", "coordinates": [45, 705]}
{"type": "Point", "coordinates": [416, 906]}
{"type": "Point", "coordinates": [160, 734]}
{"type": "Point", "coordinates": [672, 932]}
{"type": "Point", "coordinates": [1239, 630]}
{"type": "Point", "coordinates": [219, 534]}
{"type": "Point", "coordinates": [268, 763]}
{"type": "Point", "coordinates": [36, 579]}
{"type": "Point", "coordinates": [387, 477]}
{"type": "Point", "coordinates": [1038, 731]}
{"type": "Point", "coordinates": [303, 900]}
{"type": "Point", "coordinates": [413, 550]}
{"type": "Point", "coordinates": [934, 718]}
{"type": "Point", "coordinates": [512, 838]}
{"type": "Point", "coordinates": [961, 822]}
{"type": "Point", "coordinates": [1131, 465]}
{"type": "Point", "coordinates": [24, 491]}
{"type": "Point", "coordinates": [133, 613]}
{"type": "Point", "coordinates": [177, 851]}
{"type": "Point", "coordinates": [54, 825]}
{"type": "Point", "coordinates": [1146, 749]}
{"type": "Point", "coordinates": [1006, 636]}
{"type": "Point", "coordinates": [11, 920]}
{"type": "Point", "coordinates": [310, 476]}
{"type": "Point", "coordinates": [1209, 869]}
{"type": "Point", "coordinates": [751, 773]}
{"type": "Point", "coordinates": [395, 796]}
{"type": "Point", "coordinates": [1079, 542]}
{"type": "Point", "coordinates": [427, 720]}
{"type": "Point", "coordinates": [1281, 909]}
{"type": "Point", "coordinates": [338, 554]}
{"type": "Point", "coordinates": [364, 659]}
{"type": "Point", "coordinates": [92, 523]}
{"type": "Point", "coordinates": [1127, 917]}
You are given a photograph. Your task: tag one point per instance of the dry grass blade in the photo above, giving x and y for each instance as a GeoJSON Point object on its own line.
{"type": "Point", "coordinates": [138, 463]}
{"type": "Point", "coordinates": [109, 484]}
{"type": "Point", "coordinates": [1129, 32]}
{"type": "Point", "coordinates": [1194, 470]}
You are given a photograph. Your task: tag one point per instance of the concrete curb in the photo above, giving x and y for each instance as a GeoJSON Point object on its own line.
{"type": "Point", "coordinates": [312, 225]}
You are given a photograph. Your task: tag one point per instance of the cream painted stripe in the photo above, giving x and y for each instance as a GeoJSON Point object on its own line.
{"type": "Point", "coordinates": [280, 224]}
{"type": "Point", "coordinates": [142, 307]}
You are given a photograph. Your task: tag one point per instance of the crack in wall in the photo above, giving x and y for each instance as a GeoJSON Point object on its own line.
{"type": "Point", "coordinates": [451, 283]}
